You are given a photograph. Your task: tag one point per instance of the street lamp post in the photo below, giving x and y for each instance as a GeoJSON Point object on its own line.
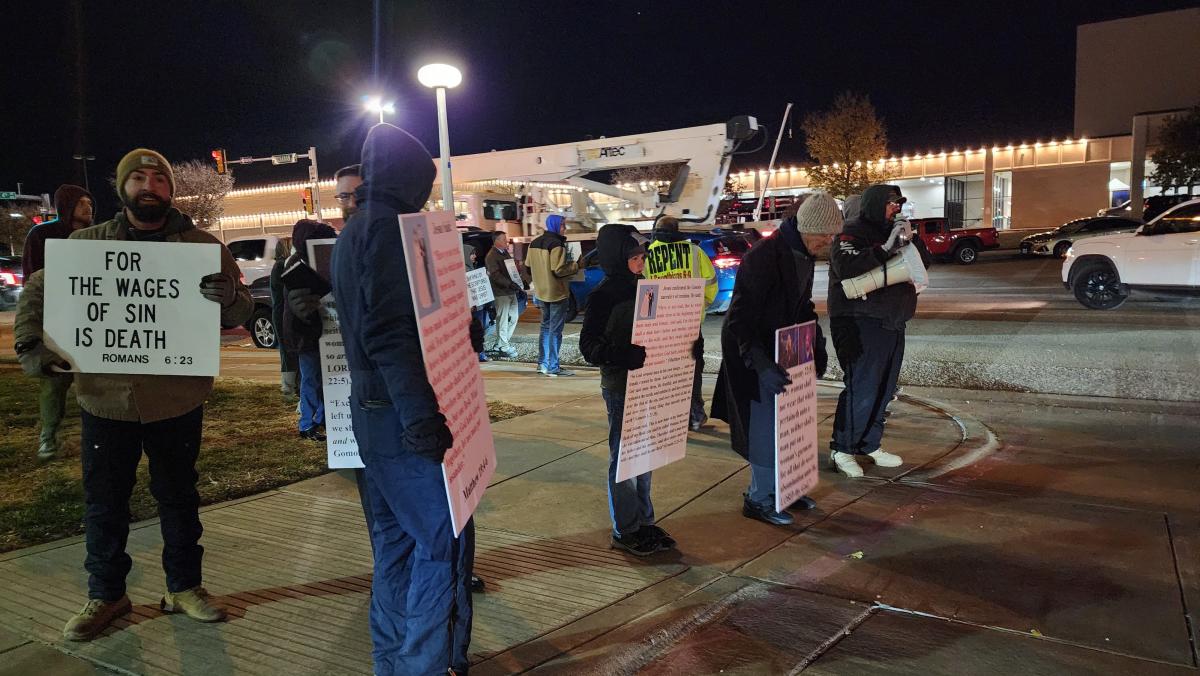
{"type": "Point", "coordinates": [85, 159]}
{"type": "Point", "coordinates": [440, 77]}
{"type": "Point", "coordinates": [375, 104]}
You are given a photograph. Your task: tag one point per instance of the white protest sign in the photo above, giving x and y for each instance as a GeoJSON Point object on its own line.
{"type": "Point", "coordinates": [114, 306]}
{"type": "Point", "coordinates": [479, 288]}
{"type": "Point", "coordinates": [796, 415]}
{"type": "Point", "coordinates": [433, 252]}
{"type": "Point", "coordinates": [513, 273]}
{"type": "Point", "coordinates": [340, 445]}
{"type": "Point", "coordinates": [658, 396]}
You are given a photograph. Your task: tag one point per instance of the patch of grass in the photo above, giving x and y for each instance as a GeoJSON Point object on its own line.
{"type": "Point", "coordinates": [250, 446]}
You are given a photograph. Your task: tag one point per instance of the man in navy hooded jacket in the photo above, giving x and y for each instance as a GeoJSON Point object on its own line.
{"type": "Point", "coordinates": [421, 601]}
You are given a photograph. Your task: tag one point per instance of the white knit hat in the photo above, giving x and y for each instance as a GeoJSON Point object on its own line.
{"type": "Point", "coordinates": [819, 215]}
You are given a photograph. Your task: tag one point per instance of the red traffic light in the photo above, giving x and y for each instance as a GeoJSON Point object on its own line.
{"type": "Point", "coordinates": [218, 156]}
{"type": "Point", "coordinates": [306, 196]}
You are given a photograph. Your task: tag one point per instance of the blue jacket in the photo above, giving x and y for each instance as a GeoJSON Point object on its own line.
{"type": "Point", "coordinates": [370, 282]}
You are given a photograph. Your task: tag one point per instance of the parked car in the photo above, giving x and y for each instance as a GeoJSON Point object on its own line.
{"type": "Point", "coordinates": [961, 245]}
{"type": "Point", "coordinates": [1151, 207]}
{"type": "Point", "coordinates": [1056, 242]}
{"type": "Point", "coordinates": [255, 254]}
{"type": "Point", "coordinates": [1162, 257]}
{"type": "Point", "coordinates": [724, 248]}
{"type": "Point", "coordinates": [12, 281]}
{"type": "Point", "coordinates": [261, 324]}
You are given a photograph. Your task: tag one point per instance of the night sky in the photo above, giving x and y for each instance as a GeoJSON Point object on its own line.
{"type": "Point", "coordinates": [269, 77]}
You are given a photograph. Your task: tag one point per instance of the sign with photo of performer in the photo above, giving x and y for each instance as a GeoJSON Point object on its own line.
{"type": "Point", "coordinates": [433, 253]}
{"type": "Point", "coordinates": [796, 458]}
{"type": "Point", "coordinates": [658, 396]}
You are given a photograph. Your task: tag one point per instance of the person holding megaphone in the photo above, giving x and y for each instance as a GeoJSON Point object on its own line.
{"type": "Point", "coordinates": [874, 277]}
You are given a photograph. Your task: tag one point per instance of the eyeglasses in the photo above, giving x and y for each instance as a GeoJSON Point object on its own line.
{"type": "Point", "coordinates": [344, 196]}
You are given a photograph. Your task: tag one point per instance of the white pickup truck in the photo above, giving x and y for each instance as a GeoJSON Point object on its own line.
{"type": "Point", "coordinates": [1161, 257]}
{"type": "Point", "coordinates": [255, 254]}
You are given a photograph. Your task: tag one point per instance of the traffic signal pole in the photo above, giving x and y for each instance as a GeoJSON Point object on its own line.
{"type": "Point", "coordinates": [283, 158]}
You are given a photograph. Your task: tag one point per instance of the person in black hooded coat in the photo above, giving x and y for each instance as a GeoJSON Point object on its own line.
{"type": "Point", "coordinates": [300, 331]}
{"type": "Point", "coordinates": [606, 341]}
{"type": "Point", "coordinates": [420, 597]}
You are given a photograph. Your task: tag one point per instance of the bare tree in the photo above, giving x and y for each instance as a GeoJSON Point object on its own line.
{"type": "Point", "coordinates": [649, 174]}
{"type": "Point", "coordinates": [200, 191]}
{"type": "Point", "coordinates": [15, 223]}
{"type": "Point", "coordinates": [1177, 160]}
{"type": "Point", "coordinates": [847, 142]}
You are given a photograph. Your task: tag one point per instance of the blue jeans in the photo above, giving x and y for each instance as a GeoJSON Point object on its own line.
{"type": "Point", "coordinates": [312, 399]}
{"type": "Point", "coordinates": [762, 450]}
{"type": "Point", "coordinates": [870, 356]}
{"type": "Point", "coordinates": [554, 317]}
{"type": "Point", "coordinates": [629, 504]}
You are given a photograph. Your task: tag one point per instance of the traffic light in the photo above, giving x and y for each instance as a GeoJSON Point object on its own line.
{"type": "Point", "coordinates": [306, 196]}
{"type": "Point", "coordinates": [218, 156]}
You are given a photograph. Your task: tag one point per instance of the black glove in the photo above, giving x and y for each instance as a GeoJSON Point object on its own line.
{"type": "Point", "coordinates": [429, 438]}
{"type": "Point", "coordinates": [37, 360]}
{"type": "Point", "coordinates": [698, 349]}
{"type": "Point", "coordinates": [632, 357]}
{"type": "Point", "coordinates": [219, 288]}
{"type": "Point", "coordinates": [303, 303]}
{"type": "Point", "coordinates": [476, 335]}
{"type": "Point", "coordinates": [771, 376]}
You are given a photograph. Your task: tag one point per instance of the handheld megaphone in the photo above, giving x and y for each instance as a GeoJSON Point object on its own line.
{"type": "Point", "coordinates": [905, 266]}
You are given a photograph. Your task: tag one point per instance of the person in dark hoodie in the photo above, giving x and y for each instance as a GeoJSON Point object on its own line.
{"type": "Point", "coordinates": [75, 208]}
{"type": "Point", "coordinates": [868, 334]}
{"type": "Point", "coordinates": [124, 416]}
{"type": "Point", "coordinates": [420, 599]}
{"type": "Point", "coordinates": [773, 290]}
{"type": "Point", "coordinates": [300, 332]}
{"type": "Point", "coordinates": [605, 340]}
{"type": "Point", "coordinates": [289, 366]}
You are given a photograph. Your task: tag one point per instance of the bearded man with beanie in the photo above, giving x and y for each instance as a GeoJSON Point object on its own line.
{"type": "Point", "coordinates": [126, 415]}
{"type": "Point", "coordinates": [421, 606]}
{"type": "Point", "coordinates": [75, 208]}
{"type": "Point", "coordinates": [868, 333]}
{"type": "Point", "coordinates": [773, 290]}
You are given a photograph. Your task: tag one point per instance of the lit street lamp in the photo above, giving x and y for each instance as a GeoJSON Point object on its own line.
{"type": "Point", "coordinates": [440, 77]}
{"type": "Point", "coordinates": [85, 159]}
{"type": "Point", "coordinates": [375, 104]}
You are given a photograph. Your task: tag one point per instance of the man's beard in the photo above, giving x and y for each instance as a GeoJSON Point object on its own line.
{"type": "Point", "coordinates": [347, 212]}
{"type": "Point", "coordinates": [147, 212]}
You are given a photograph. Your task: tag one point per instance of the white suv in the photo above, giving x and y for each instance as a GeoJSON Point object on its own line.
{"type": "Point", "coordinates": [1162, 256]}
{"type": "Point", "coordinates": [255, 254]}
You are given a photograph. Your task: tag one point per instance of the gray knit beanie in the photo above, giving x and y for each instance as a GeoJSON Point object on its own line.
{"type": "Point", "coordinates": [819, 215]}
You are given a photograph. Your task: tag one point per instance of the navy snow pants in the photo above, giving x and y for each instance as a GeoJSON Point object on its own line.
{"type": "Point", "coordinates": [421, 594]}
{"type": "Point", "coordinates": [870, 356]}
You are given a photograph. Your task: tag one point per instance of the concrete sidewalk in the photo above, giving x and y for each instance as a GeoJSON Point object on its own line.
{"type": "Point", "coordinates": [1061, 537]}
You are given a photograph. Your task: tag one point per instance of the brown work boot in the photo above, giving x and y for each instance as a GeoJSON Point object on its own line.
{"type": "Point", "coordinates": [95, 618]}
{"type": "Point", "coordinates": [194, 603]}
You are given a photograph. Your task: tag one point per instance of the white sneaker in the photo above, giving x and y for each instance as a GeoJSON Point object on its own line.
{"type": "Point", "coordinates": [846, 464]}
{"type": "Point", "coordinates": [885, 459]}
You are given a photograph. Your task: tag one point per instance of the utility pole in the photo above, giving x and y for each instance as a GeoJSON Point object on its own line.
{"type": "Point", "coordinates": [85, 159]}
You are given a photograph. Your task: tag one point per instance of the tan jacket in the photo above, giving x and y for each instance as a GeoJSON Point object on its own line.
{"type": "Point", "coordinates": [134, 398]}
{"type": "Point", "coordinates": [550, 267]}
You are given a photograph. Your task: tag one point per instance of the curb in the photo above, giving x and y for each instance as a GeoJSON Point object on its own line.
{"type": "Point", "coordinates": [1005, 377]}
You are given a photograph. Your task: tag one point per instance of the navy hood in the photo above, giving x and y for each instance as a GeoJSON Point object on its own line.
{"type": "Point", "coordinates": [874, 202]}
{"type": "Point", "coordinates": [616, 243]}
{"type": "Point", "coordinates": [396, 169]}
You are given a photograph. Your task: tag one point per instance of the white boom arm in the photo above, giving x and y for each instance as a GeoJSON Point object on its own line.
{"type": "Point", "coordinates": [706, 150]}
